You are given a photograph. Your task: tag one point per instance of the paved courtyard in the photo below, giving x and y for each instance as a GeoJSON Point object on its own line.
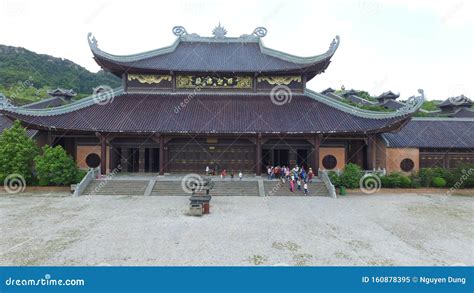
{"type": "Point", "coordinates": [389, 229]}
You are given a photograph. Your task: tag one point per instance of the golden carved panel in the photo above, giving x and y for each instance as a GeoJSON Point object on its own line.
{"type": "Point", "coordinates": [149, 78]}
{"type": "Point", "coordinates": [279, 80]}
{"type": "Point", "coordinates": [207, 81]}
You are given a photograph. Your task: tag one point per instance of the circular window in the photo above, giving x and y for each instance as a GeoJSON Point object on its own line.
{"type": "Point", "coordinates": [93, 160]}
{"type": "Point", "coordinates": [407, 165]}
{"type": "Point", "coordinates": [329, 162]}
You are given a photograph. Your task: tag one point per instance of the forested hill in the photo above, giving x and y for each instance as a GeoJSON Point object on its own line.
{"type": "Point", "coordinates": [26, 76]}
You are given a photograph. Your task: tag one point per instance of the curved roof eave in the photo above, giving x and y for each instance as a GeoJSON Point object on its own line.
{"type": "Point", "coordinates": [412, 105]}
{"type": "Point", "coordinates": [298, 59]}
{"type": "Point", "coordinates": [99, 98]}
{"type": "Point", "coordinates": [93, 44]}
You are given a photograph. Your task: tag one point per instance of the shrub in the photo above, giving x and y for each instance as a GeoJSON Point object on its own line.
{"type": "Point", "coordinates": [405, 182]}
{"type": "Point", "coordinates": [80, 175]}
{"type": "Point", "coordinates": [426, 176]}
{"type": "Point", "coordinates": [395, 180]}
{"type": "Point", "coordinates": [17, 151]}
{"type": "Point", "coordinates": [334, 177]}
{"type": "Point", "coordinates": [55, 167]}
{"type": "Point", "coordinates": [351, 176]}
{"type": "Point", "coordinates": [462, 177]}
{"type": "Point", "coordinates": [439, 182]}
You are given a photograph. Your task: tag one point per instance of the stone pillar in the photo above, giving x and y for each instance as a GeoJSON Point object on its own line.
{"type": "Point", "coordinates": [141, 160]}
{"type": "Point", "coordinates": [162, 154]}
{"type": "Point", "coordinates": [258, 153]}
{"type": "Point", "coordinates": [103, 155]}
{"type": "Point", "coordinates": [315, 163]}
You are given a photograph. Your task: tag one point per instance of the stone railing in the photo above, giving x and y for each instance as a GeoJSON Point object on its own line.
{"type": "Point", "coordinates": [81, 186]}
{"type": "Point", "coordinates": [327, 181]}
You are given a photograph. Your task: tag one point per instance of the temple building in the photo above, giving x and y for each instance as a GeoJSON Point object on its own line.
{"type": "Point", "coordinates": [226, 102]}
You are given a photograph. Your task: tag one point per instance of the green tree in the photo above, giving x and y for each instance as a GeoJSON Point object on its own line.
{"type": "Point", "coordinates": [351, 176]}
{"type": "Point", "coordinates": [55, 167]}
{"type": "Point", "coordinates": [17, 151]}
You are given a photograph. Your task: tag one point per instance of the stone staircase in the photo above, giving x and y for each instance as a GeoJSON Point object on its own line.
{"type": "Point", "coordinates": [116, 187]}
{"type": "Point", "coordinates": [165, 187]}
{"type": "Point", "coordinates": [277, 188]}
{"type": "Point", "coordinates": [235, 188]}
{"type": "Point", "coordinates": [168, 188]}
{"type": "Point", "coordinates": [227, 188]}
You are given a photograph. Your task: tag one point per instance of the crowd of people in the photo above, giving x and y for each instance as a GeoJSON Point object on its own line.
{"type": "Point", "coordinates": [298, 178]}
{"type": "Point", "coordinates": [223, 175]}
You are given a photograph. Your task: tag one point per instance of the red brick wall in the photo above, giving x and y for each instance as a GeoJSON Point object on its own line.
{"type": "Point", "coordinates": [394, 157]}
{"type": "Point", "coordinates": [338, 152]}
{"type": "Point", "coordinates": [82, 151]}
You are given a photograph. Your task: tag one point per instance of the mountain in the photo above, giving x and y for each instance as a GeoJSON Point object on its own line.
{"type": "Point", "coordinates": [26, 76]}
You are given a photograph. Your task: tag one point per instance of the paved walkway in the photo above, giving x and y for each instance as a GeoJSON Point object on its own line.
{"type": "Point", "coordinates": [391, 229]}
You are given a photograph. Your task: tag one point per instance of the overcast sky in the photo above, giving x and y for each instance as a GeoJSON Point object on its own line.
{"type": "Point", "coordinates": [398, 45]}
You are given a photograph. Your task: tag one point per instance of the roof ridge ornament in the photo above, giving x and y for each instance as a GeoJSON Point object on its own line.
{"type": "Point", "coordinates": [260, 32]}
{"type": "Point", "coordinates": [219, 31]}
{"type": "Point", "coordinates": [334, 44]}
{"type": "Point", "coordinates": [92, 41]}
{"type": "Point", "coordinates": [413, 103]}
{"type": "Point", "coordinates": [179, 31]}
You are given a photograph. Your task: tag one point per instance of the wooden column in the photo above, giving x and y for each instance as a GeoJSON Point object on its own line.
{"type": "Point", "coordinates": [103, 155]}
{"type": "Point", "coordinates": [316, 144]}
{"type": "Point", "coordinates": [151, 159]}
{"type": "Point", "coordinates": [371, 151]}
{"type": "Point", "coordinates": [258, 151]}
{"type": "Point", "coordinates": [141, 159]}
{"type": "Point", "coordinates": [124, 158]}
{"type": "Point", "coordinates": [162, 154]}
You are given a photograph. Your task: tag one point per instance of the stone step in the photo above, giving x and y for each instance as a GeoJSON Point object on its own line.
{"type": "Point", "coordinates": [227, 188]}
{"type": "Point", "coordinates": [277, 188]}
{"type": "Point", "coordinates": [221, 188]}
{"type": "Point", "coordinates": [116, 187]}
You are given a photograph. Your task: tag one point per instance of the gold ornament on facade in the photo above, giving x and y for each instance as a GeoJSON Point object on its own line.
{"type": "Point", "coordinates": [190, 81]}
{"type": "Point", "coordinates": [279, 80]}
{"type": "Point", "coordinates": [149, 79]}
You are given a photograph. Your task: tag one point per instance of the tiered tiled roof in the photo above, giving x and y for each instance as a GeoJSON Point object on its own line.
{"type": "Point", "coordinates": [212, 113]}
{"type": "Point", "coordinates": [434, 133]}
{"type": "Point", "coordinates": [192, 53]}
